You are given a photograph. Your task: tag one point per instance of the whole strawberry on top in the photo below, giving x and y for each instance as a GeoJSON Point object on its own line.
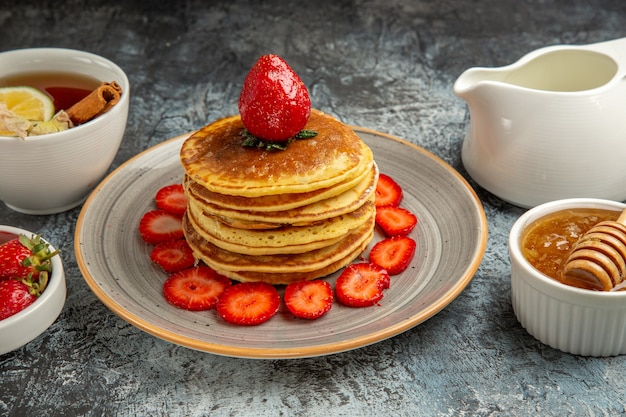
{"type": "Point", "coordinates": [274, 103]}
{"type": "Point", "coordinates": [25, 267]}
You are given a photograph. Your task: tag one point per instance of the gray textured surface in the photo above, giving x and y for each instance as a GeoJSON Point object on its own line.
{"type": "Point", "coordinates": [387, 65]}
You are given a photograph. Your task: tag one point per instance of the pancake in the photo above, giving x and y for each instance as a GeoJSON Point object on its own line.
{"type": "Point", "coordinates": [260, 250]}
{"type": "Point", "coordinates": [271, 203]}
{"type": "Point", "coordinates": [286, 239]}
{"type": "Point", "coordinates": [294, 276]}
{"type": "Point", "coordinates": [222, 259]}
{"type": "Point", "coordinates": [280, 269]}
{"type": "Point", "coordinates": [346, 202]}
{"type": "Point", "coordinates": [214, 158]}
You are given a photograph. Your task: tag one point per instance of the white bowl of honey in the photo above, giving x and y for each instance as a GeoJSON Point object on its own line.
{"type": "Point", "coordinates": [55, 171]}
{"type": "Point", "coordinates": [576, 320]}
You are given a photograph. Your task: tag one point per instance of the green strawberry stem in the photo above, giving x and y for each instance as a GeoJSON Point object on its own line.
{"type": "Point", "coordinates": [252, 141]}
{"type": "Point", "coordinates": [306, 134]}
{"type": "Point", "coordinates": [40, 260]}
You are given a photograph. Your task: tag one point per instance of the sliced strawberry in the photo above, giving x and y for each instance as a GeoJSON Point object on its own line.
{"type": "Point", "coordinates": [361, 285]}
{"type": "Point", "coordinates": [386, 281]}
{"type": "Point", "coordinates": [173, 255]}
{"type": "Point", "coordinates": [172, 199]}
{"type": "Point", "coordinates": [15, 296]}
{"type": "Point", "coordinates": [158, 226]}
{"type": "Point", "coordinates": [248, 303]}
{"type": "Point", "coordinates": [394, 254]}
{"type": "Point", "coordinates": [309, 299]}
{"type": "Point", "coordinates": [274, 103]}
{"type": "Point", "coordinates": [195, 289]}
{"type": "Point", "coordinates": [395, 221]}
{"type": "Point", "coordinates": [388, 192]}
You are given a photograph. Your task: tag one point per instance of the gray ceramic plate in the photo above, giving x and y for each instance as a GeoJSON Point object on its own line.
{"type": "Point", "coordinates": [451, 238]}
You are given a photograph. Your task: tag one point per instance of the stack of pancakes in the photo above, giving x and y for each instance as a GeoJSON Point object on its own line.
{"type": "Point", "coordinates": [278, 216]}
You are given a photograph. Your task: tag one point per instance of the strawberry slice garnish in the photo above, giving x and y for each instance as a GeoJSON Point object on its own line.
{"type": "Point", "coordinates": [309, 299]}
{"type": "Point", "coordinates": [394, 254]}
{"type": "Point", "coordinates": [15, 296]}
{"type": "Point", "coordinates": [395, 221]}
{"type": "Point", "coordinates": [173, 255]}
{"type": "Point", "coordinates": [388, 192]}
{"type": "Point", "coordinates": [172, 199]}
{"type": "Point", "coordinates": [248, 303]}
{"type": "Point", "coordinates": [195, 289]}
{"type": "Point", "coordinates": [158, 226]}
{"type": "Point", "coordinates": [274, 103]}
{"type": "Point", "coordinates": [361, 285]}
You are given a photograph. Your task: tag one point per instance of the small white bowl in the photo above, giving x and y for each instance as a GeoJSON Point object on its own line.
{"type": "Point", "coordinates": [55, 172]}
{"type": "Point", "coordinates": [21, 328]}
{"type": "Point", "coordinates": [574, 320]}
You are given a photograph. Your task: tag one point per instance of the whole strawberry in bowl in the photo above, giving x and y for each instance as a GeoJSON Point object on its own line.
{"type": "Point", "coordinates": [32, 287]}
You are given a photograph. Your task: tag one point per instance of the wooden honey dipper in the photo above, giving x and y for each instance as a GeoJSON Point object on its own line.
{"type": "Point", "coordinates": [598, 259]}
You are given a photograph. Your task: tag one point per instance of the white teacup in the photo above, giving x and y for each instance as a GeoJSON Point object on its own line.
{"type": "Point", "coordinates": [55, 172]}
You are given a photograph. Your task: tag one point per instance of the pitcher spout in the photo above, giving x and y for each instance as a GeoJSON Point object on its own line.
{"type": "Point", "coordinates": [469, 80]}
{"type": "Point", "coordinates": [555, 69]}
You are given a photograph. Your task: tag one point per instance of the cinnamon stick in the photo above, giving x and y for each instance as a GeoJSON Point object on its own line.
{"type": "Point", "coordinates": [99, 101]}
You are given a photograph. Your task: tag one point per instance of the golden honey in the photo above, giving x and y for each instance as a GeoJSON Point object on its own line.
{"type": "Point", "coordinates": [547, 242]}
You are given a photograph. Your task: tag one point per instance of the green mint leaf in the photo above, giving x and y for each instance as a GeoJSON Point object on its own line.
{"type": "Point", "coordinates": [276, 146]}
{"type": "Point", "coordinates": [252, 141]}
{"type": "Point", "coordinates": [306, 134]}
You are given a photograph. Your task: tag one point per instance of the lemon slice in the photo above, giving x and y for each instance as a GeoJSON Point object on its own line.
{"type": "Point", "coordinates": [26, 103]}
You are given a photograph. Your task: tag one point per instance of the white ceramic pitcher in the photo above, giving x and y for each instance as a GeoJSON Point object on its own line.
{"type": "Point", "coordinates": [550, 126]}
